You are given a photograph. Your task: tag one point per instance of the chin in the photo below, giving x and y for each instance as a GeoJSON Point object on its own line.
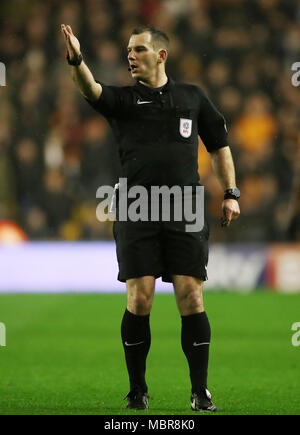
{"type": "Point", "coordinates": [136, 76]}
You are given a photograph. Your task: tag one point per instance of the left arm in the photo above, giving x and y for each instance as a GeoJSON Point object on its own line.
{"type": "Point", "coordinates": [213, 132]}
{"type": "Point", "coordinates": [223, 167]}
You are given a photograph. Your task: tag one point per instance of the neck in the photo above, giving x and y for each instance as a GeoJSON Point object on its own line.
{"type": "Point", "coordinates": [157, 80]}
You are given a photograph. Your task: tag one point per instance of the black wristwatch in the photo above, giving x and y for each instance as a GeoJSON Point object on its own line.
{"type": "Point", "coordinates": [233, 193]}
{"type": "Point", "coordinates": [74, 62]}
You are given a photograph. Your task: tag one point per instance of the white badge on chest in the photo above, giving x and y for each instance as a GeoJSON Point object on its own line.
{"type": "Point", "coordinates": [185, 127]}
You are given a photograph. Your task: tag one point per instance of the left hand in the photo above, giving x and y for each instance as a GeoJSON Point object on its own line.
{"type": "Point", "coordinates": [231, 211]}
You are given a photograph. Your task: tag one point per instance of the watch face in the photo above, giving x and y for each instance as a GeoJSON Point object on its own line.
{"type": "Point", "coordinates": [234, 192]}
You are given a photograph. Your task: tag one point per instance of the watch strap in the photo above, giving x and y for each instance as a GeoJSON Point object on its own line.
{"type": "Point", "coordinates": [233, 193]}
{"type": "Point", "coordinates": [74, 62]}
{"type": "Point", "coordinates": [230, 196]}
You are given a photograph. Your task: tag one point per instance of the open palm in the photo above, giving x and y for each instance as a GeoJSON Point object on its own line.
{"type": "Point", "coordinates": [72, 42]}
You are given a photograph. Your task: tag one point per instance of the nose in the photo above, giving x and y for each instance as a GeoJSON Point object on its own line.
{"type": "Point", "coordinates": [131, 55]}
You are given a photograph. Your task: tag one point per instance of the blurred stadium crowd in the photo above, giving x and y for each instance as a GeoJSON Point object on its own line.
{"type": "Point", "coordinates": [55, 151]}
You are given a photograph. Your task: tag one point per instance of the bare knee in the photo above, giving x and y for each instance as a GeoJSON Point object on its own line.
{"type": "Point", "coordinates": [139, 303]}
{"type": "Point", "coordinates": [190, 302]}
{"type": "Point", "coordinates": [140, 296]}
{"type": "Point", "coordinates": [189, 297]}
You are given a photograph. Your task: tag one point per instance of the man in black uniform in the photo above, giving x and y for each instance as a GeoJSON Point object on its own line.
{"type": "Point", "coordinates": [157, 123]}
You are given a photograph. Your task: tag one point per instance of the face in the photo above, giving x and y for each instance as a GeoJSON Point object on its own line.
{"type": "Point", "coordinates": [142, 56]}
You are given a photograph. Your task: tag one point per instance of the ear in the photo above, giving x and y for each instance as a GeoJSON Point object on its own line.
{"type": "Point", "coordinates": [162, 55]}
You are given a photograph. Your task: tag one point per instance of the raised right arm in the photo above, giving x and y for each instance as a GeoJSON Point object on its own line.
{"type": "Point", "coordinates": [81, 74]}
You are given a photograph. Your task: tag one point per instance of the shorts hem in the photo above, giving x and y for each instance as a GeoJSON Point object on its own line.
{"type": "Point", "coordinates": [165, 277]}
{"type": "Point", "coordinates": [139, 275]}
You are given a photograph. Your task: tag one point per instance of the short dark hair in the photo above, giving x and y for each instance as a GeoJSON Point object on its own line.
{"type": "Point", "coordinates": [158, 37]}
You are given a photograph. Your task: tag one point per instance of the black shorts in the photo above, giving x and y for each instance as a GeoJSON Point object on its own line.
{"type": "Point", "coordinates": [160, 249]}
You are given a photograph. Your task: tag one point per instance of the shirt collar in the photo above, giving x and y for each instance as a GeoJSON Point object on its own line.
{"type": "Point", "coordinates": [166, 87]}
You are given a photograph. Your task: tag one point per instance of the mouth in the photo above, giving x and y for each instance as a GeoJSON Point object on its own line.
{"type": "Point", "coordinates": [133, 68]}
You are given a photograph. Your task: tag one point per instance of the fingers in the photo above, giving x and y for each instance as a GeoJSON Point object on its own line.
{"type": "Point", "coordinates": [66, 34]}
{"type": "Point", "coordinates": [69, 30]}
{"type": "Point", "coordinates": [231, 211]}
{"type": "Point", "coordinates": [66, 30]}
{"type": "Point", "coordinates": [226, 219]}
{"type": "Point", "coordinates": [227, 216]}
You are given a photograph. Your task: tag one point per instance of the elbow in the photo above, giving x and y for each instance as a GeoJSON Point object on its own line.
{"type": "Point", "coordinates": [93, 92]}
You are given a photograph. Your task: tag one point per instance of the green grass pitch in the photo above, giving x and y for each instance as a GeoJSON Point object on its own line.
{"type": "Point", "coordinates": [63, 355]}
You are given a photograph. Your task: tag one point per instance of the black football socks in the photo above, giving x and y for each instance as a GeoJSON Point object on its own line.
{"type": "Point", "coordinates": [136, 338]}
{"type": "Point", "coordinates": [195, 339]}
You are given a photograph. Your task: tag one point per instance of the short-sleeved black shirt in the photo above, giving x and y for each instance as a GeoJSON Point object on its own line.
{"type": "Point", "coordinates": [157, 131]}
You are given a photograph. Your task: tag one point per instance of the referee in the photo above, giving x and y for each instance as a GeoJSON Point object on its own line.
{"type": "Point", "coordinates": [157, 122]}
